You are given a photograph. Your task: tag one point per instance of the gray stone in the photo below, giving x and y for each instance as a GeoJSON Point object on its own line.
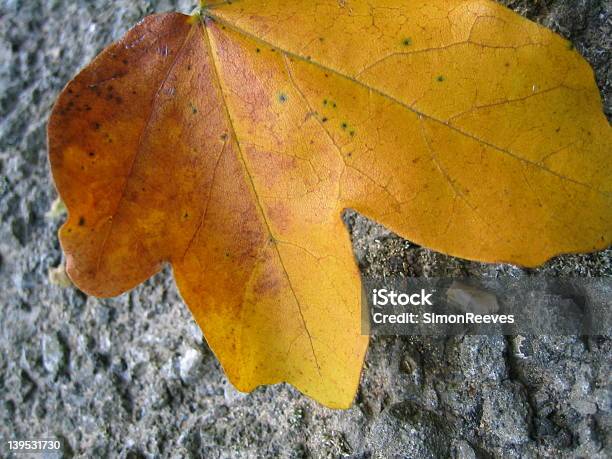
{"type": "Point", "coordinates": [190, 366]}
{"type": "Point", "coordinates": [52, 353]}
{"type": "Point", "coordinates": [505, 414]}
{"type": "Point", "coordinates": [462, 450]}
{"type": "Point", "coordinates": [407, 430]}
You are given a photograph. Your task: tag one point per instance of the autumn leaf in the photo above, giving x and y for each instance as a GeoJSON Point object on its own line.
{"type": "Point", "coordinates": [228, 144]}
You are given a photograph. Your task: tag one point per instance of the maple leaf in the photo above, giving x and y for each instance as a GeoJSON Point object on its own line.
{"type": "Point", "coordinates": [228, 144]}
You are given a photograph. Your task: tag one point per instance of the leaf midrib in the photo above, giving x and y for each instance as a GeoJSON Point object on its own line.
{"type": "Point", "coordinates": [207, 40]}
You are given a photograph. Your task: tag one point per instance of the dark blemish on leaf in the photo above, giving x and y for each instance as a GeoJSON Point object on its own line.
{"type": "Point", "coordinates": [352, 133]}
{"type": "Point", "coordinates": [440, 78]}
{"type": "Point", "coordinates": [81, 221]}
{"type": "Point", "coordinates": [70, 230]}
{"type": "Point", "coordinates": [327, 75]}
{"type": "Point", "coordinates": [558, 129]}
{"type": "Point", "coordinates": [321, 39]}
{"type": "Point", "coordinates": [69, 91]}
{"type": "Point", "coordinates": [273, 50]}
{"type": "Point", "coordinates": [324, 119]}
{"type": "Point", "coordinates": [92, 154]}
{"type": "Point", "coordinates": [344, 125]}
{"type": "Point", "coordinates": [224, 136]}
{"type": "Point", "coordinates": [87, 108]}
{"type": "Point", "coordinates": [407, 41]}
{"type": "Point", "coordinates": [282, 98]}
{"type": "Point", "coordinates": [258, 50]}
{"type": "Point", "coordinates": [308, 58]}
{"type": "Point", "coordinates": [349, 154]}
{"type": "Point", "coordinates": [125, 61]}
{"type": "Point", "coordinates": [507, 64]}
{"type": "Point", "coordinates": [185, 215]}
{"type": "Point", "coordinates": [227, 254]}
{"type": "Point", "coordinates": [334, 104]}
{"type": "Point", "coordinates": [324, 101]}
{"type": "Point", "coordinates": [96, 126]}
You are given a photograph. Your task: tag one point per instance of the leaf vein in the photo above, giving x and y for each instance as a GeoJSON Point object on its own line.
{"type": "Point", "coordinates": [207, 39]}
{"type": "Point", "coordinates": [145, 128]}
{"type": "Point", "coordinates": [410, 108]}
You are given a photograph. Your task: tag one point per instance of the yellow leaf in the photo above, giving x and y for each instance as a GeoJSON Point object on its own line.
{"type": "Point", "coordinates": [229, 145]}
